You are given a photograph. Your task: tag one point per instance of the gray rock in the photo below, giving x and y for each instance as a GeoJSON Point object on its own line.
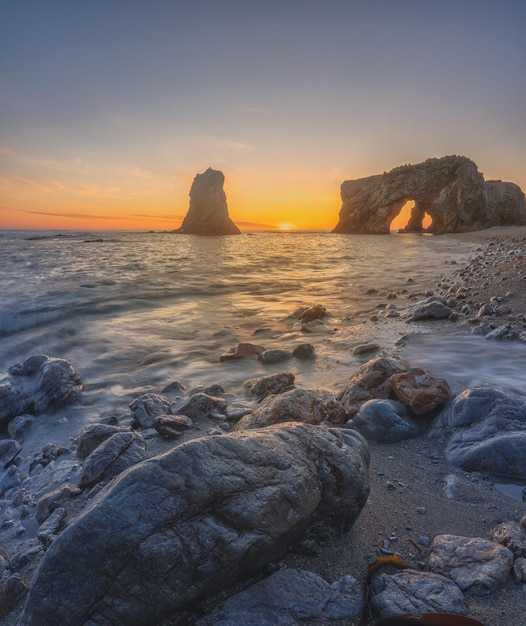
{"type": "Point", "coordinates": [519, 570]}
{"type": "Point", "coordinates": [485, 431]}
{"type": "Point", "coordinates": [203, 405]}
{"type": "Point", "coordinates": [184, 525]}
{"type": "Point", "coordinates": [9, 448]}
{"type": "Point", "coordinates": [172, 426]}
{"type": "Point", "coordinates": [275, 355]}
{"type": "Point", "coordinates": [472, 563]}
{"type": "Point", "coordinates": [412, 592]}
{"type": "Point", "coordinates": [51, 527]}
{"type": "Point", "coordinates": [12, 590]}
{"type": "Point", "coordinates": [370, 381]}
{"type": "Point", "coordinates": [112, 457]}
{"type": "Point", "coordinates": [290, 598]}
{"type": "Point", "coordinates": [92, 436]}
{"type": "Point", "coordinates": [147, 407]}
{"type": "Point", "coordinates": [511, 536]}
{"type": "Point", "coordinates": [264, 386]}
{"type": "Point", "coordinates": [384, 421]}
{"type": "Point", "coordinates": [57, 498]}
{"type": "Point", "coordinates": [36, 385]}
{"type": "Point", "coordinates": [297, 405]}
{"type": "Point", "coordinates": [10, 479]}
{"type": "Point", "coordinates": [208, 210]}
{"type": "Point", "coordinates": [18, 425]}
{"type": "Point", "coordinates": [432, 311]}
{"type": "Point", "coordinates": [304, 351]}
{"type": "Point", "coordinates": [506, 332]}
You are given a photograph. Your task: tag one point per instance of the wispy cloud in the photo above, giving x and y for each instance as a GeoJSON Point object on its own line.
{"type": "Point", "coordinates": [256, 225]}
{"type": "Point", "coordinates": [93, 216]}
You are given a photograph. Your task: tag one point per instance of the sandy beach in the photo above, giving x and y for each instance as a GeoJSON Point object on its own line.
{"type": "Point", "coordinates": [408, 498]}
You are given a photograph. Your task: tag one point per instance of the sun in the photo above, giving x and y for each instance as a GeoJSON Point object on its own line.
{"type": "Point", "coordinates": [285, 226]}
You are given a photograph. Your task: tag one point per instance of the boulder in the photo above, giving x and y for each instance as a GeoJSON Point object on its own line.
{"type": "Point", "coordinates": [203, 405]}
{"type": "Point", "coordinates": [208, 210]}
{"type": "Point", "coordinates": [430, 311]}
{"type": "Point", "coordinates": [471, 562]}
{"type": "Point", "coordinates": [112, 457]}
{"type": "Point", "coordinates": [276, 355]}
{"type": "Point", "coordinates": [511, 536]}
{"type": "Point", "coordinates": [291, 597]}
{"type": "Point", "coordinates": [371, 381]}
{"type": "Point", "coordinates": [172, 426]}
{"type": "Point", "coordinates": [264, 386]}
{"type": "Point", "coordinates": [186, 524]}
{"type": "Point", "coordinates": [384, 421]}
{"type": "Point", "coordinates": [92, 436]}
{"type": "Point", "coordinates": [297, 405]}
{"type": "Point", "coordinates": [420, 390]}
{"type": "Point", "coordinates": [242, 351]}
{"type": "Point", "coordinates": [450, 190]}
{"type": "Point", "coordinates": [485, 430]}
{"type": "Point", "coordinates": [147, 407]}
{"type": "Point", "coordinates": [39, 383]}
{"type": "Point", "coordinates": [304, 351]}
{"type": "Point", "coordinates": [411, 592]}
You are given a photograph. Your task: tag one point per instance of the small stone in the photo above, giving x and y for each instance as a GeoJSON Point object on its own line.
{"type": "Point", "coordinates": [241, 351]}
{"type": "Point", "coordinates": [274, 356]}
{"type": "Point", "coordinates": [304, 351]}
{"type": "Point", "coordinates": [421, 510]}
{"type": "Point", "coordinates": [313, 313]}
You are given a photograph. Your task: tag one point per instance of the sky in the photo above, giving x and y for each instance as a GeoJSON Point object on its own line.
{"type": "Point", "coordinates": [109, 108]}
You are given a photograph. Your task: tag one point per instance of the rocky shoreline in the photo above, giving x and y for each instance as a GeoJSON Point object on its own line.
{"type": "Point", "coordinates": [416, 493]}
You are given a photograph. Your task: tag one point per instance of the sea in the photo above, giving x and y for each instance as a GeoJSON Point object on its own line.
{"type": "Point", "coordinates": [134, 312]}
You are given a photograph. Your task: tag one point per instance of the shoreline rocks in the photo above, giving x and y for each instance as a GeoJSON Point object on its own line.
{"type": "Point", "coordinates": [220, 506]}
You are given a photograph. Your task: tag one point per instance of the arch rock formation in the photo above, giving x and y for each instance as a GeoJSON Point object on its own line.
{"type": "Point", "coordinates": [451, 190]}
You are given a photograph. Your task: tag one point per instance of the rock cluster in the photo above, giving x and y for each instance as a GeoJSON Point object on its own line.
{"type": "Point", "coordinates": [208, 210]}
{"type": "Point", "coordinates": [194, 520]}
{"type": "Point", "coordinates": [450, 190]}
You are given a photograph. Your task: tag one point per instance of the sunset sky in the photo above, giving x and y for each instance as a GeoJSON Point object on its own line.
{"type": "Point", "coordinates": [109, 108]}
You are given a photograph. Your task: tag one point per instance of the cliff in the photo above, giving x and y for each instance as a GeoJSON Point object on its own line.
{"type": "Point", "coordinates": [451, 190]}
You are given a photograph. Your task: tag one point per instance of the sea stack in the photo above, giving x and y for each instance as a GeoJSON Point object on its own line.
{"type": "Point", "coordinates": [451, 190]}
{"type": "Point", "coordinates": [208, 211]}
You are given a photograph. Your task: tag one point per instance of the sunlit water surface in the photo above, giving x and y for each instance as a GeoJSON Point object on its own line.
{"type": "Point", "coordinates": [134, 312]}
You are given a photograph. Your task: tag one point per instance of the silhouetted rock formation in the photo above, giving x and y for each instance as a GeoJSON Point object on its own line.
{"type": "Point", "coordinates": [208, 211]}
{"type": "Point", "coordinates": [450, 190]}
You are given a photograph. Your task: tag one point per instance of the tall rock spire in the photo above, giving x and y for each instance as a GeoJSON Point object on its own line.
{"type": "Point", "coordinates": [208, 211]}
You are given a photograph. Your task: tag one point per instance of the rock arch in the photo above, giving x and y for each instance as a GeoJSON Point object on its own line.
{"type": "Point", "coordinates": [451, 190]}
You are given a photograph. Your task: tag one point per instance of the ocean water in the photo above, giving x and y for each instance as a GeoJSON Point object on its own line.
{"type": "Point", "coordinates": [134, 311]}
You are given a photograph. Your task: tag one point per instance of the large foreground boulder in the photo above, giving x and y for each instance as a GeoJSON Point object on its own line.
{"type": "Point", "coordinates": [208, 211]}
{"type": "Point", "coordinates": [451, 190]}
{"type": "Point", "coordinates": [190, 522]}
{"type": "Point", "coordinates": [37, 384]}
{"type": "Point", "coordinates": [485, 431]}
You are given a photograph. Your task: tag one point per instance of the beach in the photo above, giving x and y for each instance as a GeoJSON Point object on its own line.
{"type": "Point", "coordinates": [409, 503]}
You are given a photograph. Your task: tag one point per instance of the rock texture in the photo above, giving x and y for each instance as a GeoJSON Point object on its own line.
{"type": "Point", "coordinates": [450, 190]}
{"type": "Point", "coordinates": [183, 525]}
{"type": "Point", "coordinates": [290, 598]}
{"type": "Point", "coordinates": [208, 211]}
{"type": "Point", "coordinates": [37, 384]}
{"type": "Point", "coordinates": [485, 430]}
{"type": "Point", "coordinates": [414, 593]}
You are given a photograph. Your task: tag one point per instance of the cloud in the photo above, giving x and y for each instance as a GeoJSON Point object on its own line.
{"type": "Point", "coordinates": [92, 216]}
{"type": "Point", "coordinates": [256, 225]}
{"type": "Point", "coordinates": [233, 145]}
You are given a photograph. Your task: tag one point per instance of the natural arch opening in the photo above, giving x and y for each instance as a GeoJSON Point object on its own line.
{"type": "Point", "coordinates": [409, 219]}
